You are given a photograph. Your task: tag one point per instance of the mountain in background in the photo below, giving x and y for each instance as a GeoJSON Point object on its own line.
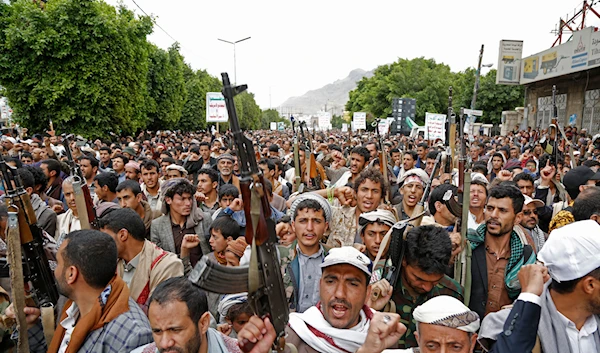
{"type": "Point", "coordinates": [334, 95]}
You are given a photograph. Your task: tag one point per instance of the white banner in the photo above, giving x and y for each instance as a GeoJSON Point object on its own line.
{"type": "Point", "coordinates": [324, 120]}
{"type": "Point", "coordinates": [360, 120]}
{"type": "Point", "coordinates": [509, 62]}
{"type": "Point", "coordinates": [273, 126]}
{"type": "Point", "coordinates": [344, 127]}
{"type": "Point", "coordinates": [216, 110]}
{"type": "Point", "coordinates": [435, 126]}
{"type": "Point", "coordinates": [383, 127]}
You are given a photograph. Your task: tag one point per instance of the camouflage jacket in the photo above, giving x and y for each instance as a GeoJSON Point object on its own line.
{"type": "Point", "coordinates": [290, 271]}
{"type": "Point", "coordinates": [405, 304]}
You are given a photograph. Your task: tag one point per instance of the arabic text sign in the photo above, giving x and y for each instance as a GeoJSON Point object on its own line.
{"type": "Point", "coordinates": [509, 62]}
{"type": "Point", "coordinates": [360, 120]}
{"type": "Point", "coordinates": [435, 126]}
{"type": "Point", "coordinates": [216, 110]}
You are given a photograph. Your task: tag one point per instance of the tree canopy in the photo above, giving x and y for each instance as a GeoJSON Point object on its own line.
{"type": "Point", "coordinates": [428, 82]}
{"type": "Point", "coordinates": [89, 67]}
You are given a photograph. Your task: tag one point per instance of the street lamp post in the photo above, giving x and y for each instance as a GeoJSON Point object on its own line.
{"type": "Point", "coordinates": [234, 63]}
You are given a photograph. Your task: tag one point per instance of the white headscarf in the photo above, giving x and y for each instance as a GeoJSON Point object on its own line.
{"type": "Point", "coordinates": [447, 311]}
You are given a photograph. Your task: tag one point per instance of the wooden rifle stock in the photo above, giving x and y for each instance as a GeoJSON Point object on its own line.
{"type": "Point", "coordinates": [83, 198]}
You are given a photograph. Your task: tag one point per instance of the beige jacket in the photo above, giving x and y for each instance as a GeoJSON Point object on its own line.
{"type": "Point", "coordinates": [155, 265]}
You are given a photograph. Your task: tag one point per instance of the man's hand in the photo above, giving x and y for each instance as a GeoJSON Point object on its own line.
{"type": "Point", "coordinates": [189, 242]}
{"type": "Point", "coordinates": [58, 208]}
{"type": "Point", "coordinates": [257, 336]}
{"type": "Point", "coordinates": [224, 329]}
{"type": "Point", "coordinates": [505, 175]}
{"type": "Point", "coordinates": [379, 294]}
{"type": "Point", "coordinates": [200, 197]}
{"type": "Point", "coordinates": [547, 174]}
{"type": "Point", "coordinates": [283, 231]}
{"type": "Point", "coordinates": [31, 314]}
{"type": "Point", "coordinates": [457, 247]}
{"type": "Point", "coordinates": [532, 278]}
{"type": "Point", "coordinates": [236, 205]}
{"type": "Point", "coordinates": [360, 247]}
{"type": "Point", "coordinates": [345, 194]}
{"type": "Point", "coordinates": [385, 330]}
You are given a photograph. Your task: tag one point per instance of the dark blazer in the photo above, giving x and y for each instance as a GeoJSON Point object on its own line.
{"type": "Point", "coordinates": [520, 329]}
{"type": "Point", "coordinates": [479, 282]}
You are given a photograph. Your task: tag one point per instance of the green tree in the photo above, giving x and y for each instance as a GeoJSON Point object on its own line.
{"type": "Point", "coordinates": [167, 91]}
{"type": "Point", "coordinates": [194, 110]}
{"type": "Point", "coordinates": [249, 113]}
{"type": "Point", "coordinates": [82, 64]}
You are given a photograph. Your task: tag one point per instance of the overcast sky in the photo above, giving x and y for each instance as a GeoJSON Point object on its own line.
{"type": "Point", "coordinates": [298, 46]}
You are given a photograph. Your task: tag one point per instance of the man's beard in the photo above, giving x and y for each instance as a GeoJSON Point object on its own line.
{"type": "Point", "coordinates": [62, 286]}
{"type": "Point", "coordinates": [192, 346]}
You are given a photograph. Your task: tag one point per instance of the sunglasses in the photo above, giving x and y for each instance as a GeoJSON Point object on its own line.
{"type": "Point", "coordinates": [527, 213]}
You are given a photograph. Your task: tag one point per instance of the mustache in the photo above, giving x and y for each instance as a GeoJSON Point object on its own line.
{"type": "Point", "coordinates": [172, 349]}
{"type": "Point", "coordinates": [340, 301]}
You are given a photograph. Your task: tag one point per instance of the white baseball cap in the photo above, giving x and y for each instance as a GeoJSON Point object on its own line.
{"type": "Point", "coordinates": [571, 251]}
{"type": "Point", "coordinates": [348, 255]}
{"type": "Point", "coordinates": [538, 203]}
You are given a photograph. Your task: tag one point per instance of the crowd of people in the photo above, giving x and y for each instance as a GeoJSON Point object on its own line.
{"type": "Point", "coordinates": [164, 200]}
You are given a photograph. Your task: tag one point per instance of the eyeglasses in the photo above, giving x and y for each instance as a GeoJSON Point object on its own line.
{"type": "Point", "coordinates": [527, 213]}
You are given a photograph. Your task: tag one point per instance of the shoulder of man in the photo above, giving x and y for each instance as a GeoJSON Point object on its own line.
{"type": "Point", "coordinates": [129, 330]}
{"type": "Point", "coordinates": [448, 286]}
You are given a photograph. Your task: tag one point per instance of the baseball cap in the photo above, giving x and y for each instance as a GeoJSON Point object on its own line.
{"type": "Point", "coordinates": [571, 251]}
{"type": "Point", "coordinates": [350, 256]}
{"type": "Point", "coordinates": [575, 178]}
{"type": "Point", "coordinates": [538, 203]}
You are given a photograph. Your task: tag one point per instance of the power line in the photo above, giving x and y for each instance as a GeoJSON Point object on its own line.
{"type": "Point", "coordinates": [154, 21]}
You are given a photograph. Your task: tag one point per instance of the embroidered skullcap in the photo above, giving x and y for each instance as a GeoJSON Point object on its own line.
{"type": "Point", "coordinates": [447, 311]}
{"type": "Point", "coordinates": [348, 255]}
{"type": "Point", "coordinates": [309, 196]}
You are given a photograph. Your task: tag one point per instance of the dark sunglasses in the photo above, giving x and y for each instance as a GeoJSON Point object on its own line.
{"type": "Point", "coordinates": [527, 213]}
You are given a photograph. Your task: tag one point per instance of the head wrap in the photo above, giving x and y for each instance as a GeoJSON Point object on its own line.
{"type": "Point", "coordinates": [237, 246]}
{"type": "Point", "coordinates": [225, 156]}
{"type": "Point", "coordinates": [416, 172]}
{"type": "Point", "coordinates": [447, 311]}
{"type": "Point", "coordinates": [177, 167]}
{"type": "Point", "coordinates": [134, 165]}
{"type": "Point", "coordinates": [228, 301]}
{"type": "Point", "coordinates": [348, 255]}
{"type": "Point", "coordinates": [308, 196]}
{"type": "Point", "coordinates": [381, 216]}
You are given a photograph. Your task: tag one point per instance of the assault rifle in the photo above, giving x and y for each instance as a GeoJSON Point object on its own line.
{"type": "Point", "coordinates": [383, 162]}
{"type": "Point", "coordinates": [462, 268]}
{"type": "Point", "coordinates": [262, 278]}
{"type": "Point", "coordinates": [298, 184]}
{"type": "Point", "coordinates": [313, 182]}
{"type": "Point", "coordinates": [35, 263]}
{"type": "Point", "coordinates": [83, 198]}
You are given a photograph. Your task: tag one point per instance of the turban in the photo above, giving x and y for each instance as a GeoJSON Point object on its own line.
{"type": "Point", "coordinates": [447, 311]}
{"type": "Point", "coordinates": [381, 216]}
{"type": "Point", "coordinates": [415, 174]}
{"type": "Point", "coordinates": [228, 301]}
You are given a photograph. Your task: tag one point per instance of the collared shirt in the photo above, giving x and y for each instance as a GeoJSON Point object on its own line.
{"type": "Point", "coordinates": [497, 292]}
{"type": "Point", "coordinates": [310, 275]}
{"type": "Point", "coordinates": [178, 233]}
{"type": "Point", "coordinates": [406, 304]}
{"type": "Point", "coordinates": [129, 269]}
{"type": "Point", "coordinates": [69, 326]}
{"type": "Point", "coordinates": [153, 200]}
{"type": "Point", "coordinates": [581, 341]}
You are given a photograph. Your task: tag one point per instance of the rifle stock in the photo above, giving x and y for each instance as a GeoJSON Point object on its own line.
{"type": "Point", "coordinates": [83, 197]}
